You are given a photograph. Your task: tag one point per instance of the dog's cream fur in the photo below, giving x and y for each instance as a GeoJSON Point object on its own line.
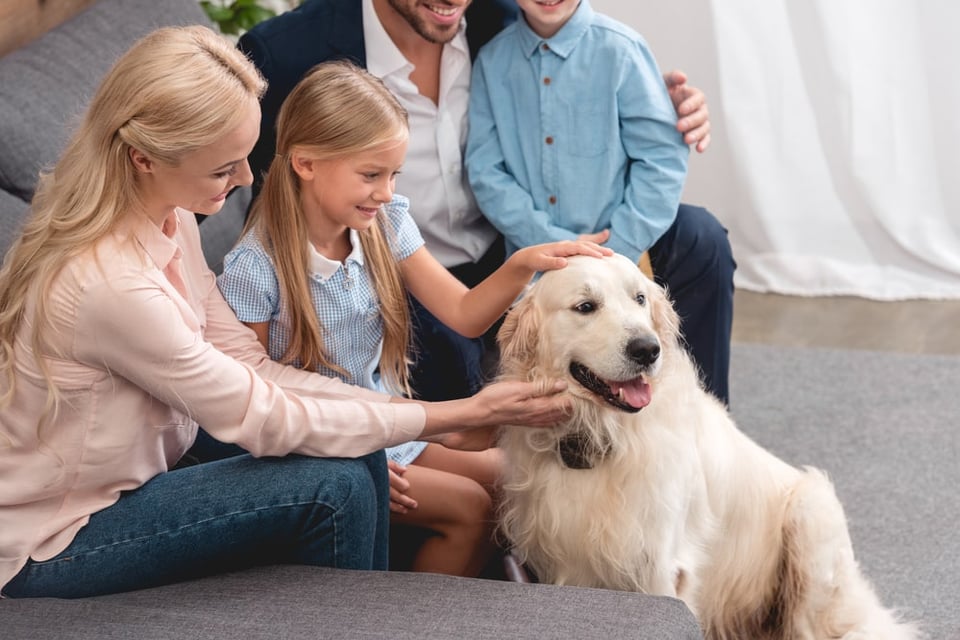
{"type": "Point", "coordinates": [678, 502]}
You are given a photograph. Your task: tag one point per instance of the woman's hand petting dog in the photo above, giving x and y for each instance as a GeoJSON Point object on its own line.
{"type": "Point", "coordinates": [528, 404]}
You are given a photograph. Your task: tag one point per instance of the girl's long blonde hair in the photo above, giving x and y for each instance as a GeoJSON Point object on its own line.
{"type": "Point", "coordinates": [174, 91]}
{"type": "Point", "coordinates": [336, 110]}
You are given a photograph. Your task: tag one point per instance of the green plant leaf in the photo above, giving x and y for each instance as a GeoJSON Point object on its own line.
{"type": "Point", "coordinates": [249, 17]}
{"type": "Point", "coordinates": [217, 13]}
{"type": "Point", "coordinates": [238, 16]}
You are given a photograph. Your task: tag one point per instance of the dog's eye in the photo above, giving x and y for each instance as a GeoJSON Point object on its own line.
{"type": "Point", "coordinates": [585, 307]}
{"type": "Point", "coordinates": [641, 299]}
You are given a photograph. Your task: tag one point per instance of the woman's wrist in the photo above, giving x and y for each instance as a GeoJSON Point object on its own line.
{"type": "Point", "coordinates": [454, 415]}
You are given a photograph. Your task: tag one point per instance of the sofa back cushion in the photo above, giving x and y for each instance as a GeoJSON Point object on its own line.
{"type": "Point", "coordinates": [46, 85]}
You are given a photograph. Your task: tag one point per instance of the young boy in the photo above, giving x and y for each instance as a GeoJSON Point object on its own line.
{"type": "Point", "coordinates": [572, 132]}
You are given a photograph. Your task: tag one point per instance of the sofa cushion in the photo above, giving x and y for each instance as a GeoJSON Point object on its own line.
{"type": "Point", "coordinates": [310, 602]}
{"type": "Point", "coordinates": [12, 212]}
{"type": "Point", "coordinates": [45, 85]}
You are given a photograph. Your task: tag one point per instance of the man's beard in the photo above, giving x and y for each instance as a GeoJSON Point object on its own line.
{"type": "Point", "coordinates": [426, 30]}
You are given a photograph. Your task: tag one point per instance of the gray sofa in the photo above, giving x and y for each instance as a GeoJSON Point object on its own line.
{"type": "Point", "coordinates": [43, 87]}
{"type": "Point", "coordinates": [884, 426]}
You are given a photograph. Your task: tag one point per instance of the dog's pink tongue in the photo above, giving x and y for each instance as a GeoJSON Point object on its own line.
{"type": "Point", "coordinates": [636, 393]}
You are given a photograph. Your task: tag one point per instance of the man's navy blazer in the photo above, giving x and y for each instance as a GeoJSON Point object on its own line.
{"type": "Point", "coordinates": [284, 48]}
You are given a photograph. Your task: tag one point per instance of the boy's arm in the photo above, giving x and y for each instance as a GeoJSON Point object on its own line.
{"type": "Point", "coordinates": [503, 201]}
{"type": "Point", "coordinates": [658, 156]}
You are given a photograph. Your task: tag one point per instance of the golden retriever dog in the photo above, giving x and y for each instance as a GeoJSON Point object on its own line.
{"type": "Point", "coordinates": [649, 486]}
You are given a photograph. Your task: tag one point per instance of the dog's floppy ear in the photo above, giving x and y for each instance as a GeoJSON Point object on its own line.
{"type": "Point", "coordinates": [666, 322]}
{"type": "Point", "coordinates": [518, 338]}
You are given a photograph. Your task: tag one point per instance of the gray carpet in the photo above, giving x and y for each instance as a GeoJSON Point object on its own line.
{"type": "Point", "coordinates": [886, 429]}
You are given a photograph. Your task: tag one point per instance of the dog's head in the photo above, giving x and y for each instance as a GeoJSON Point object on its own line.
{"type": "Point", "coordinates": [600, 323]}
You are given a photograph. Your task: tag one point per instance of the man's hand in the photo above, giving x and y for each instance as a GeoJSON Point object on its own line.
{"type": "Point", "coordinates": [693, 117]}
{"type": "Point", "coordinates": [599, 237]}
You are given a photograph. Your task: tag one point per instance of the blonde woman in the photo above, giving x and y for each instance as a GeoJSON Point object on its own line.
{"type": "Point", "coordinates": [115, 343]}
{"type": "Point", "coordinates": [322, 278]}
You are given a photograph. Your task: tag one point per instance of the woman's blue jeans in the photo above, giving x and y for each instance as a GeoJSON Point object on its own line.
{"type": "Point", "coordinates": [223, 516]}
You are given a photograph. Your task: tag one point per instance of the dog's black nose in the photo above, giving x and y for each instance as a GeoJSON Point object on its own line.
{"type": "Point", "coordinates": [644, 351]}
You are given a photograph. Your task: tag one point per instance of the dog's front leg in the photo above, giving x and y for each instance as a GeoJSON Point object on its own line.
{"type": "Point", "coordinates": [665, 579]}
{"type": "Point", "coordinates": [682, 585]}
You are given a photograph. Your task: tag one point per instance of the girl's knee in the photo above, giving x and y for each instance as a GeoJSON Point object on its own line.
{"type": "Point", "coordinates": [474, 504]}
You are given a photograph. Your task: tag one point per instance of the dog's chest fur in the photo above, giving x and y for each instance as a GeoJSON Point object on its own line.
{"type": "Point", "coordinates": [630, 506]}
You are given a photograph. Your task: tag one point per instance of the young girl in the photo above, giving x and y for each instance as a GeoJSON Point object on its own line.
{"type": "Point", "coordinates": [322, 276]}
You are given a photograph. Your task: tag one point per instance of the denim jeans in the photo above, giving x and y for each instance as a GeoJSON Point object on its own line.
{"type": "Point", "coordinates": [223, 516]}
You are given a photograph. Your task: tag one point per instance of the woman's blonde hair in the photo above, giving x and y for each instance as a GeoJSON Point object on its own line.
{"type": "Point", "coordinates": [174, 91]}
{"type": "Point", "coordinates": [336, 110]}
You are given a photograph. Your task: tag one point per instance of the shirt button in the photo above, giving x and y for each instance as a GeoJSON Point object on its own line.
{"type": "Point", "coordinates": [549, 140]}
{"type": "Point", "coordinates": [545, 47]}
{"type": "Point", "coordinates": [546, 80]}
{"type": "Point", "coordinates": [552, 199]}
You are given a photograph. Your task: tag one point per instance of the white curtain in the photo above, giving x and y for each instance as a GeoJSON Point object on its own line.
{"type": "Point", "coordinates": [836, 123]}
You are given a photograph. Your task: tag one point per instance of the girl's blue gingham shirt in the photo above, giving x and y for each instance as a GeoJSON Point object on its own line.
{"type": "Point", "coordinates": [343, 297]}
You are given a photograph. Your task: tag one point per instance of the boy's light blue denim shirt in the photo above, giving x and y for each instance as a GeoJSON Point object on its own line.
{"type": "Point", "coordinates": [574, 134]}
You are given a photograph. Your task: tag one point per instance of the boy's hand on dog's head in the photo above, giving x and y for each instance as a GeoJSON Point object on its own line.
{"type": "Point", "coordinates": [599, 237]}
